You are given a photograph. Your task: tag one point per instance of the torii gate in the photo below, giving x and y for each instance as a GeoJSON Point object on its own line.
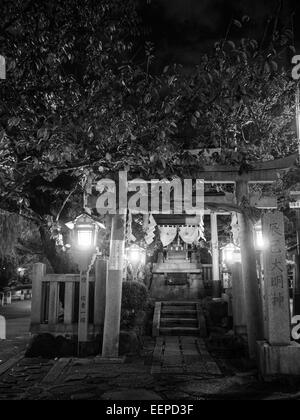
{"type": "Point", "coordinates": [261, 173]}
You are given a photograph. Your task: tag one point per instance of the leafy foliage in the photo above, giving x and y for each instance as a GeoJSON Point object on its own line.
{"type": "Point", "coordinates": [20, 246]}
{"type": "Point", "coordinates": [241, 104]}
{"type": "Point", "coordinates": [80, 102]}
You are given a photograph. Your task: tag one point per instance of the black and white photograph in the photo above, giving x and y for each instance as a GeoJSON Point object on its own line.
{"type": "Point", "coordinates": [149, 203]}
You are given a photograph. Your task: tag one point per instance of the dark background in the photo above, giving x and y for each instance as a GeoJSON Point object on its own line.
{"type": "Point", "coordinates": [181, 29]}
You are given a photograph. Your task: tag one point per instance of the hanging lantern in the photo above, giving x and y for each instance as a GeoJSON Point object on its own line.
{"type": "Point", "coordinates": [84, 232]}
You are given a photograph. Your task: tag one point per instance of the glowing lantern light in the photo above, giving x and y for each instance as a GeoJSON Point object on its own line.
{"type": "Point", "coordinates": [136, 255]}
{"type": "Point", "coordinates": [85, 238]}
{"type": "Point", "coordinates": [231, 254]}
{"type": "Point", "coordinates": [260, 241]}
{"type": "Point", "coordinates": [85, 231]}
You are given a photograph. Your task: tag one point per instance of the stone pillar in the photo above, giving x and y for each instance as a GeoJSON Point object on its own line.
{"type": "Point", "coordinates": [262, 293]}
{"type": "Point", "coordinates": [238, 300]}
{"type": "Point", "coordinates": [215, 256]}
{"type": "Point", "coordinates": [114, 288]}
{"type": "Point", "coordinates": [296, 285]}
{"type": "Point", "coordinates": [249, 273]}
{"type": "Point", "coordinates": [277, 298]}
{"type": "Point", "coordinates": [100, 293]}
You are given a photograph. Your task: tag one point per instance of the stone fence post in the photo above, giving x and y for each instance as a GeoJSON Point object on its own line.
{"type": "Point", "coordinates": [100, 293]}
{"type": "Point", "coordinates": [111, 333]}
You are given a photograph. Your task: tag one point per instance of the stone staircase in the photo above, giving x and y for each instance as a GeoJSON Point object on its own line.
{"type": "Point", "coordinates": [179, 319]}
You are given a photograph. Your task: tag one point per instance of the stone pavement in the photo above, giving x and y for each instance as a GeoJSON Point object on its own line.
{"type": "Point", "coordinates": [23, 378]}
{"type": "Point", "coordinates": [183, 355]}
{"type": "Point", "coordinates": [182, 369]}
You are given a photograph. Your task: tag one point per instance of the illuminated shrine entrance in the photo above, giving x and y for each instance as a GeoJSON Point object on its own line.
{"type": "Point", "coordinates": [179, 272]}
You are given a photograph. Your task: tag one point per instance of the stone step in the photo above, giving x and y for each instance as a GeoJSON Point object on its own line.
{"type": "Point", "coordinates": [176, 273]}
{"type": "Point", "coordinates": [177, 308]}
{"type": "Point", "coordinates": [170, 313]}
{"type": "Point", "coordinates": [179, 303]}
{"type": "Point", "coordinates": [179, 318]}
{"type": "Point", "coordinates": [178, 322]}
{"type": "Point", "coordinates": [179, 331]}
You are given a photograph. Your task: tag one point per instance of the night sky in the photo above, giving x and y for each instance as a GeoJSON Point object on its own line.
{"type": "Point", "coordinates": [181, 29]}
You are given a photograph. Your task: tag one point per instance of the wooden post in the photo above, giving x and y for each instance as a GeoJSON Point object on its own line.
{"type": "Point", "coordinates": [100, 294]}
{"type": "Point", "coordinates": [215, 256]}
{"type": "Point", "coordinates": [250, 280]}
{"type": "Point", "coordinates": [69, 303]}
{"type": "Point", "coordinates": [39, 271]}
{"type": "Point", "coordinates": [114, 288]}
{"type": "Point", "coordinates": [83, 321]}
{"type": "Point", "coordinates": [83, 260]}
{"type": "Point", "coordinates": [53, 303]}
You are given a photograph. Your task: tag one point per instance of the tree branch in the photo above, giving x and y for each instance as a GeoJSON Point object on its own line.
{"type": "Point", "coordinates": [65, 202]}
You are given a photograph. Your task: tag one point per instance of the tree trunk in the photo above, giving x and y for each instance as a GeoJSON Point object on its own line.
{"type": "Point", "coordinates": [59, 263]}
